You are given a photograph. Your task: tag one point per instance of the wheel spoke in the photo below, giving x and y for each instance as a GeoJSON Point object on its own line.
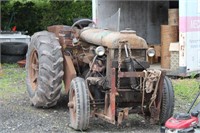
{"type": "Point", "coordinates": [35, 78]}
{"type": "Point", "coordinates": [35, 56]}
{"type": "Point", "coordinates": [35, 67]}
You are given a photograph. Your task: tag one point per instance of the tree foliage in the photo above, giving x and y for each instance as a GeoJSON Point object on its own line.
{"type": "Point", "coordinates": [35, 15]}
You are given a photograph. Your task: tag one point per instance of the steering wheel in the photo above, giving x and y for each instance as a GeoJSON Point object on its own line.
{"type": "Point", "coordinates": [76, 32]}
{"type": "Point", "coordinates": [83, 20]}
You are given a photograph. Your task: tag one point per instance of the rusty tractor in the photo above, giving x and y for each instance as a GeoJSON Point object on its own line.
{"type": "Point", "coordinates": [105, 74]}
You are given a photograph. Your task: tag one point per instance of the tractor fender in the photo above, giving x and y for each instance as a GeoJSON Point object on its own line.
{"type": "Point", "coordinates": [69, 72]}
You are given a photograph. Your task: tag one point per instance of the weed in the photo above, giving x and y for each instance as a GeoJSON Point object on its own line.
{"type": "Point", "coordinates": [186, 89]}
{"type": "Point", "coordinates": [12, 80]}
{"type": "Point", "coordinates": [193, 74]}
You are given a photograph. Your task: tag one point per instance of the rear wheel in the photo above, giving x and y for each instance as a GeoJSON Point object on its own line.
{"type": "Point", "coordinates": [167, 105]}
{"type": "Point", "coordinates": [44, 68]}
{"type": "Point", "coordinates": [79, 105]}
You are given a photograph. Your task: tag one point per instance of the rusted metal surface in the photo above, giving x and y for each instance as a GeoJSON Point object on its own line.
{"type": "Point", "coordinates": [122, 115]}
{"type": "Point", "coordinates": [133, 99]}
{"type": "Point", "coordinates": [21, 63]}
{"type": "Point", "coordinates": [34, 69]}
{"type": "Point", "coordinates": [97, 66]}
{"type": "Point", "coordinates": [105, 118]}
{"type": "Point", "coordinates": [65, 42]}
{"type": "Point", "coordinates": [93, 80]}
{"type": "Point", "coordinates": [126, 112]}
{"type": "Point", "coordinates": [136, 66]}
{"type": "Point", "coordinates": [72, 106]}
{"type": "Point", "coordinates": [63, 33]}
{"type": "Point", "coordinates": [69, 72]}
{"type": "Point", "coordinates": [109, 76]}
{"type": "Point", "coordinates": [125, 90]}
{"type": "Point", "coordinates": [155, 110]}
{"type": "Point", "coordinates": [128, 97]}
{"type": "Point", "coordinates": [155, 113]}
{"type": "Point", "coordinates": [86, 58]}
{"type": "Point", "coordinates": [151, 77]}
{"type": "Point", "coordinates": [113, 94]}
{"type": "Point", "coordinates": [131, 74]}
{"type": "Point", "coordinates": [110, 39]}
{"type": "Point", "coordinates": [124, 97]}
{"type": "Point", "coordinates": [110, 108]}
{"type": "Point", "coordinates": [120, 118]}
{"type": "Point", "coordinates": [109, 67]}
{"type": "Point", "coordinates": [55, 29]}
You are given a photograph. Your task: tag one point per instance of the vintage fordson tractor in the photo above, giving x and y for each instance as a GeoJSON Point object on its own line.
{"type": "Point", "coordinates": [104, 72]}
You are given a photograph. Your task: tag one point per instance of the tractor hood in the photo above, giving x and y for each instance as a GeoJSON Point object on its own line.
{"type": "Point", "coordinates": [110, 39]}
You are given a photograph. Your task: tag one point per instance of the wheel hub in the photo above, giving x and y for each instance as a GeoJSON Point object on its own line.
{"type": "Point", "coordinates": [72, 106]}
{"type": "Point", "coordinates": [34, 69]}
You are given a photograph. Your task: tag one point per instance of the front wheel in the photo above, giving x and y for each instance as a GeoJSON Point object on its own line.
{"type": "Point", "coordinates": [167, 104]}
{"type": "Point", "coordinates": [79, 104]}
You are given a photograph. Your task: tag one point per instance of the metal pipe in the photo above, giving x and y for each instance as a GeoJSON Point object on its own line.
{"type": "Point", "coordinates": [91, 66]}
{"type": "Point", "coordinates": [126, 51]}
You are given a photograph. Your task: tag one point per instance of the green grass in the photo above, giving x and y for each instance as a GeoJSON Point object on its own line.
{"type": "Point", "coordinates": [12, 80]}
{"type": "Point", "coordinates": [186, 89]}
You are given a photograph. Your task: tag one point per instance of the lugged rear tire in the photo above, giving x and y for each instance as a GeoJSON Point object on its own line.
{"type": "Point", "coordinates": [44, 66]}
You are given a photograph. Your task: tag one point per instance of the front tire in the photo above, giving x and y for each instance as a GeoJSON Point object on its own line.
{"type": "Point", "coordinates": [167, 105]}
{"type": "Point", "coordinates": [44, 66]}
{"type": "Point", "coordinates": [79, 104]}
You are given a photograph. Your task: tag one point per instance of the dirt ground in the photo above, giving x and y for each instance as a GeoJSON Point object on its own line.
{"type": "Point", "coordinates": [17, 115]}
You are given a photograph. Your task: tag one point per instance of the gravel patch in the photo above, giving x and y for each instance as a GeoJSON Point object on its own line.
{"type": "Point", "coordinates": [17, 115]}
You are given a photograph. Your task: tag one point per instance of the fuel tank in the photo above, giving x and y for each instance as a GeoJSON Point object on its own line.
{"type": "Point", "coordinates": [111, 39]}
